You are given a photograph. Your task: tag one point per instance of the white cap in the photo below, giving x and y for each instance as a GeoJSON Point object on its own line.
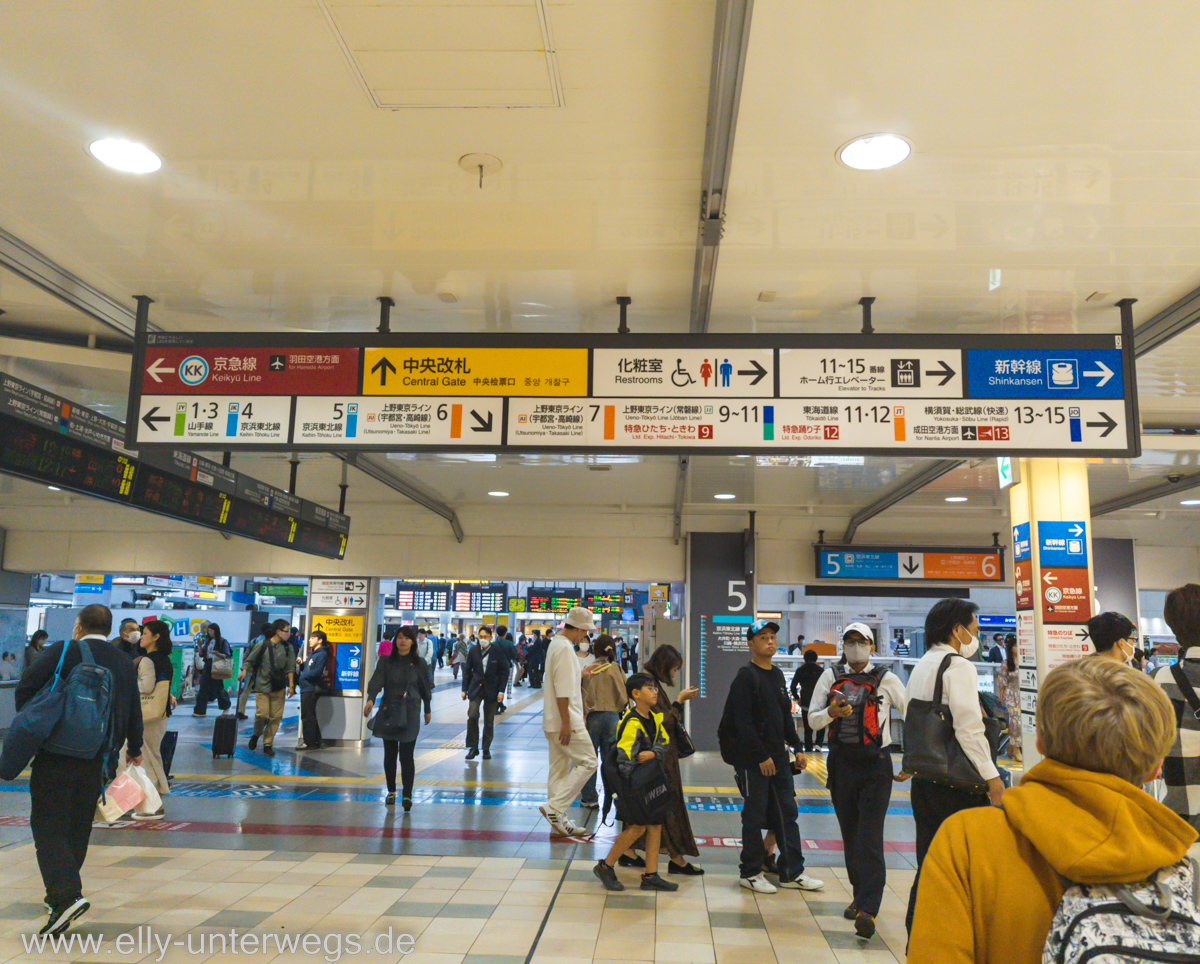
{"type": "Point", "coordinates": [580, 618]}
{"type": "Point", "coordinates": [862, 628]}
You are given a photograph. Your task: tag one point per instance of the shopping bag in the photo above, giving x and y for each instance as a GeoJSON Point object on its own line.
{"type": "Point", "coordinates": [151, 802]}
{"type": "Point", "coordinates": [122, 795]}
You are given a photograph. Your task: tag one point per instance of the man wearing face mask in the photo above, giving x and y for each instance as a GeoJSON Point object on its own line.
{"type": "Point", "coordinates": [855, 700]}
{"type": "Point", "coordinates": [1114, 636]}
{"type": "Point", "coordinates": [130, 638]}
{"type": "Point", "coordinates": [950, 627]}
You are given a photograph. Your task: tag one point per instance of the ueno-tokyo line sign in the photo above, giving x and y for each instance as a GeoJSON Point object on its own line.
{"type": "Point", "coordinates": [949, 395]}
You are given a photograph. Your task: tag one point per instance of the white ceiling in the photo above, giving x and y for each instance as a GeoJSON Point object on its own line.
{"type": "Point", "coordinates": [1058, 145]}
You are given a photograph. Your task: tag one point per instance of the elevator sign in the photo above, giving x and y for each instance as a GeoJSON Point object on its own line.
{"type": "Point", "coordinates": [931, 396]}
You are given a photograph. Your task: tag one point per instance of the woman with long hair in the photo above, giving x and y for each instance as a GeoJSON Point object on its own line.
{"type": "Point", "coordinates": [213, 644]}
{"type": "Point", "coordinates": [604, 699]}
{"type": "Point", "coordinates": [1008, 690]}
{"type": "Point", "coordinates": [154, 672]}
{"type": "Point", "coordinates": [404, 681]}
{"type": "Point", "coordinates": [677, 834]}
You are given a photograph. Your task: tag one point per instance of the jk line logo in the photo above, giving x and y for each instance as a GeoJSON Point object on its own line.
{"type": "Point", "coordinates": [193, 370]}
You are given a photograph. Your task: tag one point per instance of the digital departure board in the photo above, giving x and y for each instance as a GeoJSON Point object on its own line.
{"type": "Point", "coordinates": [51, 457]}
{"type": "Point", "coordinates": [553, 600]}
{"type": "Point", "coordinates": [429, 598]}
{"type": "Point", "coordinates": [480, 598]}
{"type": "Point", "coordinates": [607, 603]}
{"type": "Point", "coordinates": [172, 495]}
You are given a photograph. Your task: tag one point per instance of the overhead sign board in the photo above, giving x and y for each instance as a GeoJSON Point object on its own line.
{"type": "Point", "coordinates": [946, 395]}
{"type": "Point", "coordinates": [939, 564]}
{"type": "Point", "coordinates": [1062, 544]}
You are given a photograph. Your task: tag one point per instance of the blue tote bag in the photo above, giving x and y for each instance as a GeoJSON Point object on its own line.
{"type": "Point", "coordinates": [33, 724]}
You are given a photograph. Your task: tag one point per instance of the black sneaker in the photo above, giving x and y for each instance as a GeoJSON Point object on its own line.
{"type": "Point", "coordinates": [687, 870]}
{"type": "Point", "coordinates": [389, 800]}
{"type": "Point", "coordinates": [59, 918]}
{"type": "Point", "coordinates": [472, 753]}
{"type": "Point", "coordinates": [268, 751]}
{"type": "Point", "coordinates": [624, 861]}
{"type": "Point", "coordinates": [607, 876]}
{"type": "Point", "coordinates": [487, 754]}
{"type": "Point", "coordinates": [407, 804]}
{"type": "Point", "coordinates": [655, 882]}
{"type": "Point", "coordinates": [864, 925]}
{"type": "Point", "coordinates": [253, 741]}
{"type": "Point", "coordinates": [850, 913]}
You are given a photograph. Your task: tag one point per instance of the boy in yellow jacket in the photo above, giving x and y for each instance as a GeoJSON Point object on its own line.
{"type": "Point", "coordinates": [990, 884]}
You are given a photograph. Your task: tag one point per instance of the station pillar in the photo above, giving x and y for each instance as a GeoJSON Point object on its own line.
{"type": "Point", "coordinates": [348, 612]}
{"type": "Point", "coordinates": [1052, 561]}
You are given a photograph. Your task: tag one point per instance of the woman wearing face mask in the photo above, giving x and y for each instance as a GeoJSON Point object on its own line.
{"type": "Point", "coordinates": [951, 631]}
{"type": "Point", "coordinates": [855, 700]}
{"type": "Point", "coordinates": [404, 680]}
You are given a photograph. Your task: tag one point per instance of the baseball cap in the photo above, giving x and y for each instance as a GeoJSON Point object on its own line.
{"type": "Point", "coordinates": [580, 618]}
{"type": "Point", "coordinates": [862, 629]}
{"type": "Point", "coordinates": [759, 625]}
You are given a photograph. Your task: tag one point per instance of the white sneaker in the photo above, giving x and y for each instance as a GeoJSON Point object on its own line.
{"type": "Point", "coordinates": [759, 884]}
{"type": "Point", "coordinates": [803, 882]}
{"type": "Point", "coordinates": [555, 821]}
{"type": "Point", "coordinates": [573, 829]}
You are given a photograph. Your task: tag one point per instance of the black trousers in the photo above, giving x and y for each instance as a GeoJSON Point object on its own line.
{"type": "Point", "coordinates": [489, 718]}
{"type": "Point", "coordinates": [861, 788]}
{"type": "Point", "coordinates": [931, 805]}
{"type": "Point", "coordinates": [408, 767]}
{"type": "Point", "coordinates": [63, 793]}
{"type": "Point", "coordinates": [811, 737]}
{"type": "Point", "coordinates": [770, 803]}
{"type": "Point", "coordinates": [310, 729]}
{"type": "Point", "coordinates": [210, 689]}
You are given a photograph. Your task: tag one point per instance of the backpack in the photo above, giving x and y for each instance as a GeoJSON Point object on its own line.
{"type": "Point", "coordinates": [863, 729]}
{"type": "Point", "coordinates": [327, 681]}
{"type": "Point", "coordinates": [82, 730]}
{"type": "Point", "coordinates": [727, 735]}
{"type": "Point", "coordinates": [1155, 920]}
{"type": "Point", "coordinates": [643, 798]}
{"type": "Point", "coordinates": [278, 677]}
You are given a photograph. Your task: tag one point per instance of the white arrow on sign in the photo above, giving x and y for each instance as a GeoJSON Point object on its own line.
{"type": "Point", "coordinates": [1049, 578]}
{"type": "Point", "coordinates": [1076, 530]}
{"type": "Point", "coordinates": [1102, 372]}
{"type": "Point", "coordinates": [154, 371]}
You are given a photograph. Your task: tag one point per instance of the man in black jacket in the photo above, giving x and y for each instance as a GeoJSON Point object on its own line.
{"type": "Point", "coordinates": [63, 790]}
{"type": "Point", "coordinates": [485, 677]}
{"type": "Point", "coordinates": [759, 712]}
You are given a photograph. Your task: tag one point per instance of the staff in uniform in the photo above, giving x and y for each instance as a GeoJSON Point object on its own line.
{"type": "Point", "coordinates": [855, 699]}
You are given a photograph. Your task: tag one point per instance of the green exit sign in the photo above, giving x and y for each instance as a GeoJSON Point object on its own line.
{"type": "Point", "coordinates": [280, 589]}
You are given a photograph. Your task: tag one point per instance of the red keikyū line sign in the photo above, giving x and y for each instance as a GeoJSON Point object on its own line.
{"type": "Point", "coordinates": [250, 371]}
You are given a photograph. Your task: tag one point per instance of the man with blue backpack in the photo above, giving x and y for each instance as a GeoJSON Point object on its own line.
{"type": "Point", "coordinates": [101, 711]}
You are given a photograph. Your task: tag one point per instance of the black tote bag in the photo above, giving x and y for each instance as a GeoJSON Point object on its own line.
{"type": "Point", "coordinates": [931, 750]}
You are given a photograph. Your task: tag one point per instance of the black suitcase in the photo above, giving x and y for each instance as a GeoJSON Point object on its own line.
{"type": "Point", "coordinates": [166, 750]}
{"type": "Point", "coordinates": [224, 735]}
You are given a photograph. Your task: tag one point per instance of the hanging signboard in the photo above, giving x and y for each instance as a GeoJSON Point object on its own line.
{"type": "Point", "coordinates": [938, 396]}
{"type": "Point", "coordinates": [942, 564]}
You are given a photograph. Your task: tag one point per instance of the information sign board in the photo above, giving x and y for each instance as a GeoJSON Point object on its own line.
{"type": "Point", "coordinates": [948, 564]}
{"type": "Point", "coordinates": [558, 601]}
{"type": "Point", "coordinates": [479, 597]}
{"type": "Point", "coordinates": [1062, 543]}
{"type": "Point", "coordinates": [607, 603]}
{"type": "Point", "coordinates": [949, 395]}
{"type": "Point", "coordinates": [429, 598]}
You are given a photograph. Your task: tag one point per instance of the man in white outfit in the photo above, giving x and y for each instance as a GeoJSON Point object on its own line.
{"type": "Point", "coordinates": [572, 757]}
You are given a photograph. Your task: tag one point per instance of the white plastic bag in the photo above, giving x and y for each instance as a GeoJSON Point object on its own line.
{"type": "Point", "coordinates": [121, 796]}
{"type": "Point", "coordinates": [151, 802]}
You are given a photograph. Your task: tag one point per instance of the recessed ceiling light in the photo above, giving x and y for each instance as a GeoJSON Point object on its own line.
{"type": "Point", "coordinates": [1190, 502]}
{"type": "Point", "coordinates": [724, 495]}
{"type": "Point", "coordinates": [956, 498]}
{"type": "Point", "coordinates": [123, 155]}
{"type": "Point", "coordinates": [874, 152]}
{"type": "Point", "coordinates": [498, 495]}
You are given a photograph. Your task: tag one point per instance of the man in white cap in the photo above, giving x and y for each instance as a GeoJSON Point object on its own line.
{"type": "Point", "coordinates": [572, 756]}
{"type": "Point", "coordinates": [855, 699]}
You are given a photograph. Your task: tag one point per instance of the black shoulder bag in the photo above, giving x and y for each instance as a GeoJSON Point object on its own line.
{"type": "Point", "coordinates": [1186, 688]}
{"type": "Point", "coordinates": [931, 750]}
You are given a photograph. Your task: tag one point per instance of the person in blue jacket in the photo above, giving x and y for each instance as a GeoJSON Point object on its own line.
{"type": "Point", "coordinates": [314, 683]}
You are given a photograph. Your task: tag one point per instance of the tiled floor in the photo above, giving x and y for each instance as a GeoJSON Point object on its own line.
{"type": "Point", "coordinates": [275, 849]}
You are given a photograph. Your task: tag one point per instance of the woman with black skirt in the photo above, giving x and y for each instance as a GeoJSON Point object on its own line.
{"type": "Point", "coordinates": [404, 680]}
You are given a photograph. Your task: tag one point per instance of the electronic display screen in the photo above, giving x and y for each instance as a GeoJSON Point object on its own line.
{"type": "Point", "coordinates": [179, 497]}
{"type": "Point", "coordinates": [257, 522]}
{"type": "Point", "coordinates": [607, 603]}
{"type": "Point", "coordinates": [430, 598]}
{"type": "Point", "coordinates": [479, 598]}
{"type": "Point", "coordinates": [559, 601]}
{"type": "Point", "coordinates": [319, 541]}
{"type": "Point", "coordinates": [46, 456]}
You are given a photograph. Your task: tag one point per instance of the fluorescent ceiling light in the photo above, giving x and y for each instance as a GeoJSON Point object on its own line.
{"type": "Point", "coordinates": [956, 498]}
{"type": "Point", "coordinates": [1190, 502]}
{"type": "Point", "coordinates": [123, 155]}
{"type": "Point", "coordinates": [55, 488]}
{"type": "Point", "coordinates": [498, 495]}
{"type": "Point", "coordinates": [874, 152]}
{"type": "Point", "coordinates": [724, 495]}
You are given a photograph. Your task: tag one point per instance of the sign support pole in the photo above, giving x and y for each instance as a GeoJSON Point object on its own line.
{"type": "Point", "coordinates": [1052, 548]}
{"type": "Point", "coordinates": [141, 329]}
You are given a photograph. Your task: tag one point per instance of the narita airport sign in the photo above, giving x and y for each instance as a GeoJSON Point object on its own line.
{"type": "Point", "coordinates": [900, 395]}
